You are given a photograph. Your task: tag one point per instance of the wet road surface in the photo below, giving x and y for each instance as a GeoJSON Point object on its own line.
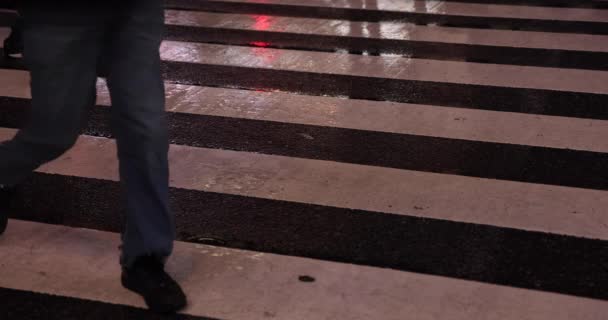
{"type": "Point", "coordinates": [370, 159]}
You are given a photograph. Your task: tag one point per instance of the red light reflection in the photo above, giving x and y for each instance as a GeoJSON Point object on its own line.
{"type": "Point", "coordinates": [261, 44]}
{"type": "Point", "coordinates": [261, 50]}
{"type": "Point", "coordinates": [262, 23]}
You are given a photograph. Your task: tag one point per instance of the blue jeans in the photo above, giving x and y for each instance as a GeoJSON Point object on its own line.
{"type": "Point", "coordinates": [63, 61]}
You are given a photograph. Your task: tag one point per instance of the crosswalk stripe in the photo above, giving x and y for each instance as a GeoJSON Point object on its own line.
{"type": "Point", "coordinates": [596, 4]}
{"type": "Point", "coordinates": [235, 284]}
{"type": "Point", "coordinates": [379, 237]}
{"type": "Point", "coordinates": [321, 10]}
{"type": "Point", "coordinates": [388, 38]}
{"type": "Point", "coordinates": [392, 38]}
{"type": "Point", "coordinates": [389, 30]}
{"type": "Point", "coordinates": [531, 101]}
{"type": "Point", "coordinates": [594, 59]}
{"type": "Point", "coordinates": [427, 154]}
{"type": "Point", "coordinates": [455, 8]}
{"type": "Point", "coordinates": [514, 257]}
{"type": "Point", "coordinates": [582, 81]}
{"type": "Point", "coordinates": [431, 180]}
{"type": "Point", "coordinates": [501, 127]}
{"type": "Point", "coordinates": [386, 190]}
{"type": "Point", "coordinates": [20, 85]}
{"type": "Point", "coordinates": [323, 73]}
{"type": "Point", "coordinates": [404, 48]}
{"type": "Point", "coordinates": [541, 131]}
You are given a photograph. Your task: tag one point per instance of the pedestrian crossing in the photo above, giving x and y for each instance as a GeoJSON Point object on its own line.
{"type": "Point", "coordinates": [419, 12]}
{"type": "Point", "coordinates": [440, 8]}
{"type": "Point", "coordinates": [421, 71]}
{"type": "Point", "coordinates": [327, 163]}
{"type": "Point", "coordinates": [264, 285]}
{"type": "Point", "coordinates": [370, 36]}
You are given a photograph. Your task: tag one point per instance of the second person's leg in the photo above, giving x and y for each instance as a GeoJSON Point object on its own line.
{"type": "Point", "coordinates": [137, 92]}
{"type": "Point", "coordinates": [62, 68]}
{"type": "Point", "coordinates": [61, 61]}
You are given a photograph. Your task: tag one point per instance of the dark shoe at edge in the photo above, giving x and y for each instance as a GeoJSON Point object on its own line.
{"type": "Point", "coordinates": [148, 278]}
{"type": "Point", "coordinates": [5, 205]}
{"type": "Point", "coordinates": [12, 48]}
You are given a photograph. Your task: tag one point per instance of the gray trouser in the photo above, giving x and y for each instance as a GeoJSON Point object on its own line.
{"type": "Point", "coordinates": [62, 60]}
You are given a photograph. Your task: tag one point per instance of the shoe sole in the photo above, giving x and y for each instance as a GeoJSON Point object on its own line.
{"type": "Point", "coordinates": [11, 51]}
{"type": "Point", "coordinates": [13, 55]}
{"type": "Point", "coordinates": [168, 310]}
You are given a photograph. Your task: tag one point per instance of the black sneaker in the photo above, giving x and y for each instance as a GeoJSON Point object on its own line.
{"type": "Point", "coordinates": [147, 277]}
{"type": "Point", "coordinates": [13, 48]}
{"type": "Point", "coordinates": [5, 205]}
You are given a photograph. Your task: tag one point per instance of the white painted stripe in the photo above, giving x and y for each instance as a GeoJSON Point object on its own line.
{"type": "Point", "coordinates": [390, 30]}
{"type": "Point", "coordinates": [439, 7]}
{"type": "Point", "coordinates": [395, 30]}
{"type": "Point", "coordinates": [434, 121]}
{"type": "Point", "coordinates": [235, 284]}
{"type": "Point", "coordinates": [586, 81]}
{"type": "Point", "coordinates": [554, 209]}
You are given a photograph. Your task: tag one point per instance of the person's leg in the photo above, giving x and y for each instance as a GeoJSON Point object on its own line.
{"type": "Point", "coordinates": [61, 61]}
{"type": "Point", "coordinates": [139, 123]}
{"type": "Point", "coordinates": [137, 91]}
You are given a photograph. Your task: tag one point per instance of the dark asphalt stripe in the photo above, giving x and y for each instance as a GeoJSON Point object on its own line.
{"type": "Point", "coordinates": [520, 100]}
{"type": "Point", "coordinates": [582, 169]}
{"type": "Point", "coordinates": [481, 97]}
{"type": "Point", "coordinates": [584, 27]}
{"type": "Point", "coordinates": [595, 4]}
{"type": "Point", "coordinates": [375, 46]}
{"type": "Point", "coordinates": [416, 49]}
{"type": "Point", "coordinates": [504, 256]}
{"type": "Point", "coordinates": [26, 305]}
